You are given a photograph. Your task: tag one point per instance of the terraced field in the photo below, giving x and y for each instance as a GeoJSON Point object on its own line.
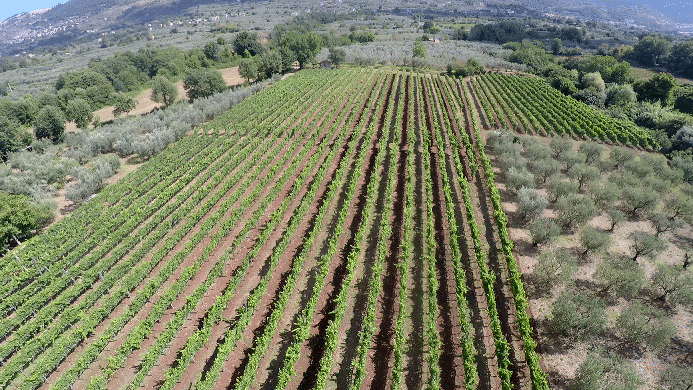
{"type": "Point", "coordinates": [341, 229]}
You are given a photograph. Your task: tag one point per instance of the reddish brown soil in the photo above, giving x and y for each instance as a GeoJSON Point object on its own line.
{"type": "Point", "coordinates": [316, 118]}
{"type": "Point", "coordinates": [504, 298]}
{"type": "Point", "coordinates": [450, 359]}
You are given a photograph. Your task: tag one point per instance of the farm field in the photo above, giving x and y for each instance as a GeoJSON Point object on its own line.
{"type": "Point", "coordinates": [341, 229]}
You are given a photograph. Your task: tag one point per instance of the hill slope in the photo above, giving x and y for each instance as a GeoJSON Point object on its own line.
{"type": "Point", "coordinates": [78, 18]}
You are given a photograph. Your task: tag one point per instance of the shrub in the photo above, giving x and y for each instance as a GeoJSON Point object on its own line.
{"type": "Point", "coordinates": [645, 244]}
{"type": "Point", "coordinates": [530, 204]}
{"type": "Point", "coordinates": [92, 180]}
{"type": "Point", "coordinates": [19, 218]}
{"type": "Point", "coordinates": [577, 314]}
{"type": "Point", "coordinates": [605, 373]}
{"type": "Point", "coordinates": [543, 231]}
{"type": "Point", "coordinates": [593, 240]}
{"type": "Point", "coordinates": [558, 187]}
{"type": "Point", "coordinates": [593, 80]}
{"type": "Point", "coordinates": [640, 324]}
{"type": "Point", "coordinates": [574, 210]}
{"type": "Point", "coordinates": [622, 278]}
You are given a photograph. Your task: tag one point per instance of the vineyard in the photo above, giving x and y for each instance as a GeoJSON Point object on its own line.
{"type": "Point", "coordinates": [531, 106]}
{"type": "Point", "coordinates": [341, 229]}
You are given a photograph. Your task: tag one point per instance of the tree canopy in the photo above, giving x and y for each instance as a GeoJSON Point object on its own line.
{"type": "Point", "coordinates": [650, 50]}
{"type": "Point", "coordinates": [164, 91]}
{"type": "Point", "coordinates": [203, 82]}
{"type": "Point", "coordinates": [50, 123]}
{"type": "Point", "coordinates": [246, 41]}
{"type": "Point", "coordinates": [19, 217]}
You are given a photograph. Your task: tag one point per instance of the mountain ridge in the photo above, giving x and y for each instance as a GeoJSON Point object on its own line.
{"type": "Point", "coordinates": [79, 18]}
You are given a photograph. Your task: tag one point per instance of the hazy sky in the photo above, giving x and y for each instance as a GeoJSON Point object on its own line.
{"type": "Point", "coordinates": [12, 7]}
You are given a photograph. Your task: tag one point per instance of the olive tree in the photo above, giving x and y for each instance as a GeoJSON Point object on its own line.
{"type": "Point", "coordinates": [593, 240]}
{"type": "Point", "coordinates": [574, 210]}
{"type": "Point", "coordinates": [560, 146]}
{"type": "Point", "coordinates": [543, 230]}
{"type": "Point", "coordinates": [577, 314]}
{"type": "Point", "coordinates": [530, 204]}
{"type": "Point", "coordinates": [638, 168]}
{"type": "Point", "coordinates": [515, 179]}
{"type": "Point", "coordinates": [645, 244]}
{"type": "Point", "coordinates": [583, 173]}
{"type": "Point", "coordinates": [639, 199]}
{"type": "Point", "coordinates": [619, 156]}
{"type": "Point", "coordinates": [592, 150]}
{"type": "Point", "coordinates": [535, 151]}
{"type": "Point", "coordinates": [673, 284]}
{"type": "Point", "coordinates": [598, 372]}
{"type": "Point", "coordinates": [663, 223]}
{"type": "Point", "coordinates": [604, 194]}
{"type": "Point", "coordinates": [544, 168]}
{"type": "Point", "coordinates": [570, 158]}
{"type": "Point", "coordinates": [677, 378]}
{"type": "Point", "coordinates": [679, 205]}
{"type": "Point", "coordinates": [620, 277]}
{"type": "Point", "coordinates": [554, 267]}
{"type": "Point", "coordinates": [616, 216]}
{"type": "Point", "coordinates": [558, 187]}
{"type": "Point", "coordinates": [639, 324]}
